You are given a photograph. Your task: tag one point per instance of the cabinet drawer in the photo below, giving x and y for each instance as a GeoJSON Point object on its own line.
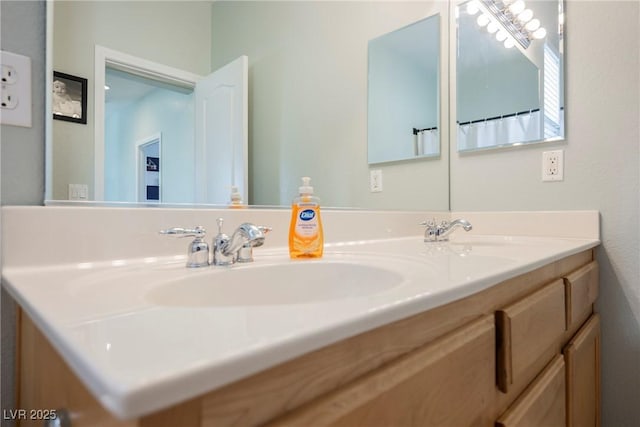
{"type": "Point", "coordinates": [529, 333]}
{"type": "Point", "coordinates": [448, 382]}
{"type": "Point", "coordinates": [581, 291]}
{"type": "Point", "coordinates": [543, 403]}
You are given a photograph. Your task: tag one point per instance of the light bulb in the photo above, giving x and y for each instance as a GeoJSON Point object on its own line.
{"type": "Point", "coordinates": [492, 27]}
{"type": "Point", "coordinates": [540, 33]}
{"type": "Point", "coordinates": [517, 7]}
{"type": "Point", "coordinates": [501, 35]}
{"type": "Point", "coordinates": [507, 2]}
{"type": "Point", "coordinates": [472, 8]}
{"type": "Point", "coordinates": [525, 16]}
{"type": "Point", "coordinates": [532, 25]}
{"type": "Point", "coordinates": [106, 87]}
{"type": "Point", "coordinates": [482, 20]}
{"type": "Point", "coordinates": [509, 43]}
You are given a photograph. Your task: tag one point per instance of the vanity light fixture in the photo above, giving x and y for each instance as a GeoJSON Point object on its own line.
{"type": "Point", "coordinates": [525, 16]}
{"type": "Point", "coordinates": [517, 7]}
{"type": "Point", "coordinates": [482, 20]}
{"type": "Point", "coordinates": [472, 8]}
{"type": "Point", "coordinates": [532, 25]}
{"type": "Point", "coordinates": [510, 20]}
{"type": "Point", "coordinates": [540, 33]}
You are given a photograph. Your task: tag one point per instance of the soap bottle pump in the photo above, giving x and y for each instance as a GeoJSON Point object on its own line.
{"type": "Point", "coordinates": [305, 230]}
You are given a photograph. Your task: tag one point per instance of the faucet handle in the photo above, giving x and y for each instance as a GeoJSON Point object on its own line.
{"type": "Point", "coordinates": [198, 231]}
{"type": "Point", "coordinates": [428, 223]}
{"type": "Point", "coordinates": [432, 229]}
{"type": "Point", "coordinates": [198, 251]}
{"type": "Point", "coordinates": [265, 229]}
{"type": "Point", "coordinates": [245, 253]}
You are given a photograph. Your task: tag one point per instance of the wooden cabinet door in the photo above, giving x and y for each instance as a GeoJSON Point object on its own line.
{"type": "Point", "coordinates": [582, 356]}
{"type": "Point", "coordinates": [543, 403]}
{"type": "Point", "coordinates": [449, 382]}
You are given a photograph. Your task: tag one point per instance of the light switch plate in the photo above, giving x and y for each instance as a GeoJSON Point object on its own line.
{"type": "Point", "coordinates": [375, 180]}
{"type": "Point", "coordinates": [78, 192]}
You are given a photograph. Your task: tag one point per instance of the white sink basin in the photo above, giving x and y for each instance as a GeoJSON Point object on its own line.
{"type": "Point", "coordinates": [275, 284]}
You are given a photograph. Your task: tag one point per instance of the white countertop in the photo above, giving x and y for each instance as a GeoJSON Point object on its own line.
{"type": "Point", "coordinates": [137, 355]}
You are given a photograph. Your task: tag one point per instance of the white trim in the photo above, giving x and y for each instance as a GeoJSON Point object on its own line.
{"type": "Point", "coordinates": [139, 146]}
{"type": "Point", "coordinates": [122, 61]}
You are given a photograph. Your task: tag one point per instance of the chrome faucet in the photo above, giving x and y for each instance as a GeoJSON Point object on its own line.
{"type": "Point", "coordinates": [439, 233]}
{"type": "Point", "coordinates": [239, 247]}
{"type": "Point", "coordinates": [198, 251]}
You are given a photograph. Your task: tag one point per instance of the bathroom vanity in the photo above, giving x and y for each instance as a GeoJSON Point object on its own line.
{"type": "Point", "coordinates": [481, 330]}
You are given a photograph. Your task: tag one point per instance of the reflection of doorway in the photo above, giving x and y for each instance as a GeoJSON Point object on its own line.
{"type": "Point", "coordinates": [163, 106]}
{"type": "Point", "coordinates": [136, 107]}
{"type": "Point", "coordinates": [214, 157]}
{"type": "Point", "coordinates": [148, 172]}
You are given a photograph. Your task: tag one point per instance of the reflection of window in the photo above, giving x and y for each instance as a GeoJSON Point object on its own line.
{"type": "Point", "coordinates": [551, 93]}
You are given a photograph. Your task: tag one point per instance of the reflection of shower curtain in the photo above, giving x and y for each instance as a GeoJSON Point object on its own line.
{"type": "Point", "coordinates": [506, 130]}
{"type": "Point", "coordinates": [427, 142]}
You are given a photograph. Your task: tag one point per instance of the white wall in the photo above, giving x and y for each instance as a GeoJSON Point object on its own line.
{"type": "Point", "coordinates": [22, 31]}
{"type": "Point", "coordinates": [308, 100]}
{"type": "Point", "coordinates": [176, 33]}
{"type": "Point", "coordinates": [601, 172]}
{"type": "Point", "coordinates": [402, 95]}
{"type": "Point", "coordinates": [497, 89]}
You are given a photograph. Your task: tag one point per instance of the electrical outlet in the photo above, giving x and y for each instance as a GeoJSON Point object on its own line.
{"type": "Point", "coordinates": [15, 89]}
{"type": "Point", "coordinates": [375, 180]}
{"type": "Point", "coordinates": [8, 74]}
{"type": "Point", "coordinates": [7, 98]}
{"type": "Point", "coordinates": [553, 165]}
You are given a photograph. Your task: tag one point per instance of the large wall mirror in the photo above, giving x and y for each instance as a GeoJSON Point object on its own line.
{"type": "Point", "coordinates": [404, 101]}
{"type": "Point", "coordinates": [509, 62]}
{"type": "Point", "coordinates": [307, 98]}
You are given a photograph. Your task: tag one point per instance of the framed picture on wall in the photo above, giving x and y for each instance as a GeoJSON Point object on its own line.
{"type": "Point", "coordinates": [69, 100]}
{"type": "Point", "coordinates": [153, 164]}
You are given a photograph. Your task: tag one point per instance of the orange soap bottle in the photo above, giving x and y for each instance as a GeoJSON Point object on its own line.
{"type": "Point", "coordinates": [305, 230]}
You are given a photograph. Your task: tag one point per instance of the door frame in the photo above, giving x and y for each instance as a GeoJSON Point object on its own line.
{"type": "Point", "coordinates": [105, 57]}
{"type": "Point", "coordinates": [140, 171]}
